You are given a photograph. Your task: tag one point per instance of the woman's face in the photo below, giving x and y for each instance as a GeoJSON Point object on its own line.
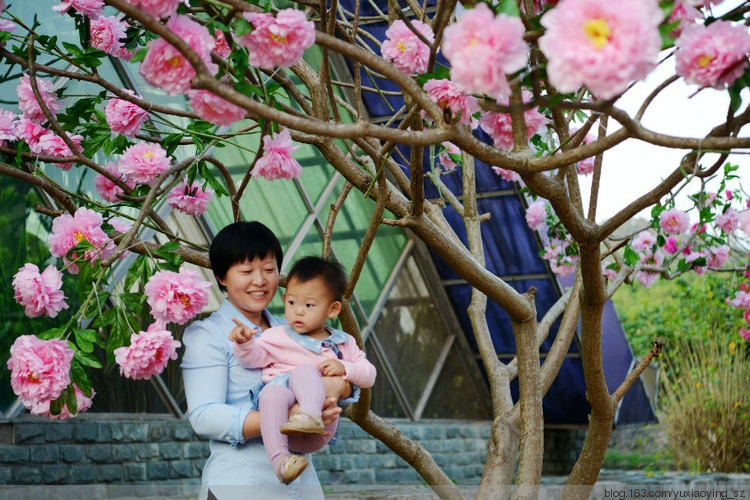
{"type": "Point", "coordinates": [251, 285]}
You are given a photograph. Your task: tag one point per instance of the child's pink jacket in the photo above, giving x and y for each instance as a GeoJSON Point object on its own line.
{"type": "Point", "coordinates": [280, 349]}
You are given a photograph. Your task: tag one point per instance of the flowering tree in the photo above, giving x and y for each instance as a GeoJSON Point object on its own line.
{"type": "Point", "coordinates": [542, 79]}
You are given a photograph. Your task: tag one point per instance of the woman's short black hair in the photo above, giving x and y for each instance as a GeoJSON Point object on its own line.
{"type": "Point", "coordinates": [240, 242]}
{"type": "Point", "coordinates": [332, 273]}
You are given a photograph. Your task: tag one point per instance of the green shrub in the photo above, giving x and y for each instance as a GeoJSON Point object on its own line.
{"type": "Point", "coordinates": [707, 404]}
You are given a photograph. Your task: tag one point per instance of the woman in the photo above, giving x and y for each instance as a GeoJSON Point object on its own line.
{"type": "Point", "coordinates": [245, 258]}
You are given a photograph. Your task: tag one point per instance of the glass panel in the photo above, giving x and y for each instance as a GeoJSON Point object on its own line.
{"type": "Point", "coordinates": [411, 331]}
{"type": "Point", "coordinates": [384, 401]}
{"type": "Point", "coordinates": [454, 395]}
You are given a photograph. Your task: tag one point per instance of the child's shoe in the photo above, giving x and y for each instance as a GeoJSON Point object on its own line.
{"type": "Point", "coordinates": [304, 424]}
{"type": "Point", "coordinates": [290, 467]}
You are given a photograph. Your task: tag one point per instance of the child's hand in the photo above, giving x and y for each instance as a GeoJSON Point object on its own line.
{"type": "Point", "coordinates": [332, 368]}
{"type": "Point", "coordinates": [241, 333]}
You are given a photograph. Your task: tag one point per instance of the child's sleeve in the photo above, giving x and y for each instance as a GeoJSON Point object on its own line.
{"type": "Point", "coordinates": [252, 354]}
{"type": "Point", "coordinates": [359, 371]}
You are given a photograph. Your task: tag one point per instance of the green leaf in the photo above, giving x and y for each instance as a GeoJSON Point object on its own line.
{"type": "Point", "coordinates": [73, 50]}
{"type": "Point", "coordinates": [86, 339]}
{"type": "Point", "coordinates": [509, 7]}
{"type": "Point", "coordinates": [170, 142]}
{"type": "Point", "coordinates": [88, 360]}
{"type": "Point", "coordinates": [242, 27]}
{"type": "Point", "coordinates": [134, 271]}
{"type": "Point", "coordinates": [93, 144]}
{"type": "Point", "coordinates": [630, 256]}
{"type": "Point", "coordinates": [133, 301]}
{"type": "Point", "coordinates": [56, 406]}
{"type": "Point", "coordinates": [79, 377]}
{"type": "Point", "coordinates": [69, 394]}
{"type": "Point", "coordinates": [217, 186]}
{"type": "Point", "coordinates": [139, 55]}
{"type": "Point", "coordinates": [106, 318]}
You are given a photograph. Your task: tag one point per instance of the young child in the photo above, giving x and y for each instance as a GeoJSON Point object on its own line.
{"type": "Point", "coordinates": [295, 357]}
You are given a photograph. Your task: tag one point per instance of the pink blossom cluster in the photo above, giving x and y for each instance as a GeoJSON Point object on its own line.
{"type": "Point", "coordinates": [214, 109]}
{"type": "Point", "coordinates": [106, 33]}
{"type": "Point", "coordinates": [483, 48]}
{"type": "Point", "coordinates": [686, 14]}
{"type": "Point", "coordinates": [107, 188]}
{"type": "Point", "coordinates": [83, 403]}
{"type": "Point", "coordinates": [40, 293]}
{"type": "Point", "coordinates": [166, 68]}
{"type": "Point", "coordinates": [402, 47]}
{"type": "Point", "coordinates": [143, 162]}
{"type": "Point", "coordinates": [536, 215]}
{"type": "Point", "coordinates": [555, 253]}
{"type": "Point", "coordinates": [52, 144]}
{"type": "Point", "coordinates": [447, 95]}
{"type": "Point", "coordinates": [176, 297]}
{"type": "Point", "coordinates": [30, 106]}
{"type": "Point", "coordinates": [125, 117]}
{"type": "Point", "coordinates": [600, 44]}
{"type": "Point", "coordinates": [190, 199]}
{"type": "Point", "coordinates": [277, 40]}
{"type": "Point", "coordinates": [8, 127]}
{"type": "Point", "coordinates": [448, 148]}
{"type": "Point", "coordinates": [508, 175]}
{"type": "Point", "coordinates": [728, 221]}
{"type": "Point", "coordinates": [89, 8]}
{"type": "Point", "coordinates": [148, 354]}
{"type": "Point", "coordinates": [156, 8]}
{"type": "Point", "coordinates": [69, 230]}
{"type": "Point", "coordinates": [713, 55]}
{"type": "Point", "coordinates": [277, 161]}
{"type": "Point", "coordinates": [652, 259]}
{"type": "Point", "coordinates": [39, 368]}
{"type": "Point", "coordinates": [499, 125]}
{"type": "Point", "coordinates": [674, 221]}
{"type": "Point", "coordinates": [586, 166]}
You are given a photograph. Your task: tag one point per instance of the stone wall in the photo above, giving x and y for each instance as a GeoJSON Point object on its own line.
{"type": "Point", "coordinates": [158, 449]}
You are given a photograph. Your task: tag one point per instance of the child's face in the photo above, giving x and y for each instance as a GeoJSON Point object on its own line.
{"type": "Point", "coordinates": [308, 305]}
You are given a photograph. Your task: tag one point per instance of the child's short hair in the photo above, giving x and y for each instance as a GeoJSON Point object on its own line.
{"type": "Point", "coordinates": [332, 273]}
{"type": "Point", "coordinates": [240, 242]}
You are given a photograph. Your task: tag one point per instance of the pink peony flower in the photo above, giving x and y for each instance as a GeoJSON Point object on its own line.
{"type": "Point", "coordinates": [674, 221]}
{"type": "Point", "coordinates": [729, 221]}
{"type": "Point", "coordinates": [601, 44]}
{"type": "Point", "coordinates": [643, 241]}
{"type": "Point", "coordinates": [39, 293]}
{"type": "Point", "coordinates": [482, 48]}
{"type": "Point", "coordinates": [559, 263]}
{"type": "Point", "coordinates": [741, 300]}
{"type": "Point", "coordinates": [125, 117]}
{"type": "Point", "coordinates": [506, 174]}
{"type": "Point", "coordinates": [708, 199]}
{"type": "Point", "coordinates": [277, 161]}
{"type": "Point", "coordinates": [536, 215]}
{"type": "Point", "coordinates": [447, 95]}
{"type": "Point", "coordinates": [277, 41]}
{"type": "Point", "coordinates": [686, 14]}
{"type": "Point", "coordinates": [717, 256]}
{"type": "Point", "coordinates": [120, 225]}
{"type": "Point", "coordinates": [745, 333]}
{"type": "Point", "coordinates": [713, 55]}
{"type": "Point", "coordinates": [192, 200]}
{"type": "Point", "coordinates": [106, 188]}
{"type": "Point", "coordinates": [143, 162]}
{"type": "Point", "coordinates": [106, 33]}
{"type": "Point", "coordinates": [221, 47]}
{"type": "Point", "coordinates": [176, 297]}
{"type": "Point", "coordinates": [499, 127]}
{"type": "Point", "coordinates": [609, 273]}
{"type": "Point", "coordinates": [654, 259]}
{"type": "Point", "coordinates": [28, 103]}
{"type": "Point", "coordinates": [692, 257]}
{"type": "Point", "coordinates": [69, 230]}
{"type": "Point", "coordinates": [744, 221]}
{"type": "Point", "coordinates": [148, 353]}
{"type": "Point", "coordinates": [31, 133]}
{"type": "Point", "coordinates": [671, 245]}
{"type": "Point", "coordinates": [53, 145]}
{"type": "Point", "coordinates": [89, 8]}
{"type": "Point", "coordinates": [8, 127]}
{"type": "Point", "coordinates": [166, 68]}
{"type": "Point", "coordinates": [156, 8]}
{"type": "Point", "coordinates": [408, 53]}
{"type": "Point", "coordinates": [586, 166]}
{"type": "Point", "coordinates": [215, 109]}
{"type": "Point", "coordinates": [448, 149]}
{"type": "Point", "coordinates": [39, 368]}
{"type": "Point", "coordinates": [83, 403]}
